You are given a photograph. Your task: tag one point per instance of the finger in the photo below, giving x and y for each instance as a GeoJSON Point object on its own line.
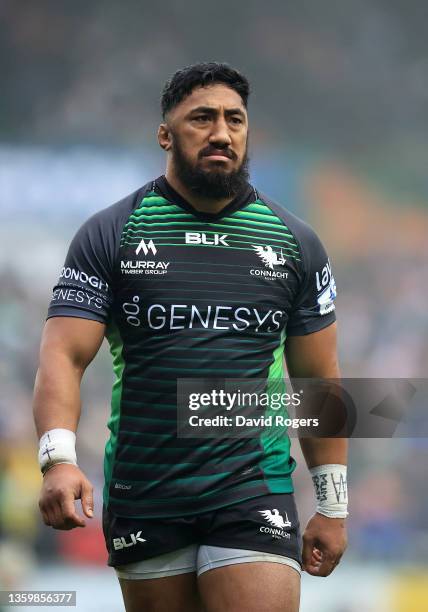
{"type": "Point", "coordinates": [55, 516]}
{"type": "Point", "coordinates": [316, 559]}
{"type": "Point", "coordinates": [70, 518]}
{"type": "Point", "coordinates": [319, 564]}
{"type": "Point", "coordinates": [88, 499]}
{"type": "Point", "coordinates": [44, 514]}
{"type": "Point", "coordinates": [307, 551]}
{"type": "Point", "coordinates": [313, 568]}
{"type": "Point", "coordinates": [46, 518]}
{"type": "Point", "coordinates": [326, 566]}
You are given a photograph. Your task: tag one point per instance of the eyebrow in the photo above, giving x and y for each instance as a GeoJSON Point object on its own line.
{"type": "Point", "coordinates": [213, 111]}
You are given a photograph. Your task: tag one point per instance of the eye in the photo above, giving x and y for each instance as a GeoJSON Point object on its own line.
{"type": "Point", "coordinates": [236, 120]}
{"type": "Point", "coordinates": [201, 118]}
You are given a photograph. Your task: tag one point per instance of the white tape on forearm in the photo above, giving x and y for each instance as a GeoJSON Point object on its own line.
{"type": "Point", "coordinates": [331, 489]}
{"type": "Point", "coordinates": [57, 446]}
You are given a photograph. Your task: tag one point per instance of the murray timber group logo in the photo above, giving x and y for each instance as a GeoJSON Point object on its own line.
{"type": "Point", "coordinates": [271, 259]}
{"type": "Point", "coordinates": [144, 266]}
{"type": "Point", "coordinates": [150, 246]}
{"type": "Point", "coordinates": [278, 523]}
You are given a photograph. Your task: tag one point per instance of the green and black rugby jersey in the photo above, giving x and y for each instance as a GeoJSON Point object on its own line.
{"type": "Point", "coordinates": [185, 294]}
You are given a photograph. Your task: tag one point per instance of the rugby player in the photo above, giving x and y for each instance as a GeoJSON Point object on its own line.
{"type": "Point", "coordinates": [195, 274]}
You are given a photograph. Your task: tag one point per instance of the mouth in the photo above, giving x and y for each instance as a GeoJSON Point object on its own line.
{"type": "Point", "coordinates": [215, 157]}
{"type": "Point", "coordinates": [218, 155]}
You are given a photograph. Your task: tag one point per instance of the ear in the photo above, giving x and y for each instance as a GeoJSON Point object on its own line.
{"type": "Point", "coordinates": [164, 137]}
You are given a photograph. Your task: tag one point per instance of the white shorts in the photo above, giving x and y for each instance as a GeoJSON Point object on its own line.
{"type": "Point", "coordinates": [197, 559]}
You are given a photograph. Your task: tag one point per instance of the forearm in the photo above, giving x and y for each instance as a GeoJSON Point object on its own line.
{"type": "Point", "coordinates": [322, 451]}
{"type": "Point", "coordinates": [56, 401]}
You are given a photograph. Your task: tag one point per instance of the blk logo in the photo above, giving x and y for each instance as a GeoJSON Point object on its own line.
{"type": "Point", "coordinates": [120, 543]}
{"type": "Point", "coordinates": [213, 240]}
{"type": "Point", "coordinates": [150, 246]}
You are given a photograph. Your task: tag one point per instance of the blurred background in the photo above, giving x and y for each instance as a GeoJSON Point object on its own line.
{"type": "Point", "coordinates": [338, 121]}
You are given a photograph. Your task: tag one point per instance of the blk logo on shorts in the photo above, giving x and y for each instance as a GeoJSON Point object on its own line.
{"type": "Point", "coordinates": [120, 543]}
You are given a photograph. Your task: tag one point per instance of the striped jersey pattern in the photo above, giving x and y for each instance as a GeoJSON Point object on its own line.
{"type": "Point", "coordinates": [188, 295]}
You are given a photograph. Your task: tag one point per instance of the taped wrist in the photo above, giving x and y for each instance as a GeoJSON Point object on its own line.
{"type": "Point", "coordinates": [57, 446]}
{"type": "Point", "coordinates": [331, 489]}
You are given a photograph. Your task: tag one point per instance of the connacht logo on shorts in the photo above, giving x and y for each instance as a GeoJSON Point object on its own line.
{"type": "Point", "coordinates": [279, 523]}
{"type": "Point", "coordinates": [274, 518]}
{"type": "Point", "coordinates": [150, 246]}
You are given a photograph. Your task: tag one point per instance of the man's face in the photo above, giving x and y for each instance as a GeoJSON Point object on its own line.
{"type": "Point", "coordinates": [207, 137]}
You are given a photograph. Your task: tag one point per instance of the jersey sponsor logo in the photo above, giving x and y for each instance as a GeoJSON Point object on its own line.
{"type": "Point", "coordinates": [77, 297]}
{"type": "Point", "coordinates": [145, 267]}
{"type": "Point", "coordinates": [82, 277]}
{"type": "Point", "coordinates": [201, 238]}
{"type": "Point", "coordinates": [271, 259]}
{"type": "Point", "coordinates": [323, 277]}
{"type": "Point", "coordinates": [150, 246]}
{"type": "Point", "coordinates": [121, 543]}
{"type": "Point", "coordinates": [189, 316]}
{"type": "Point", "coordinates": [326, 289]}
{"type": "Point", "coordinates": [278, 523]}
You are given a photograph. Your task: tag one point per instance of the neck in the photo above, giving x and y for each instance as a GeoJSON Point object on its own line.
{"type": "Point", "coordinates": [198, 202]}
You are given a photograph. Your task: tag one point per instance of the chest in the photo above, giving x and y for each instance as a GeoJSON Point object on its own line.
{"type": "Point", "coordinates": [187, 274]}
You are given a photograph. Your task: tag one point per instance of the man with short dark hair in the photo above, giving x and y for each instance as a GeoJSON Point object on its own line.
{"type": "Point", "coordinates": [196, 274]}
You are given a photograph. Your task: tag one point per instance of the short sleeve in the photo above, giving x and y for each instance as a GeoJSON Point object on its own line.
{"type": "Point", "coordinates": [314, 306]}
{"type": "Point", "coordinates": [84, 288]}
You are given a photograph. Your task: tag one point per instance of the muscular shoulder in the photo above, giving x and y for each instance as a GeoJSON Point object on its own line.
{"type": "Point", "coordinates": [102, 231]}
{"type": "Point", "coordinates": [304, 234]}
{"type": "Point", "coordinates": [314, 302]}
{"type": "Point", "coordinates": [84, 288]}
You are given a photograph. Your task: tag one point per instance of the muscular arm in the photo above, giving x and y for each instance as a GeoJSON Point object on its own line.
{"type": "Point", "coordinates": [68, 346]}
{"type": "Point", "coordinates": [315, 356]}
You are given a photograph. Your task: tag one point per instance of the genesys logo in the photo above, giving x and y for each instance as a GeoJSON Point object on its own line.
{"type": "Point", "coordinates": [192, 316]}
{"type": "Point", "coordinates": [272, 261]}
{"type": "Point", "coordinates": [144, 266]}
{"type": "Point", "coordinates": [326, 289]}
{"type": "Point", "coordinates": [83, 277]}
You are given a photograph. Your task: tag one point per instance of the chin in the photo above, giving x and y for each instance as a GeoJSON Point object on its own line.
{"type": "Point", "coordinates": [217, 168]}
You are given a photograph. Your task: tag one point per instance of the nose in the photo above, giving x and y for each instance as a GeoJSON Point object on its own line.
{"type": "Point", "coordinates": [220, 133]}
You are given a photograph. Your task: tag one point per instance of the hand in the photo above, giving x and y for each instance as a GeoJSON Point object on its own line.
{"type": "Point", "coordinates": [324, 542]}
{"type": "Point", "coordinates": [62, 484]}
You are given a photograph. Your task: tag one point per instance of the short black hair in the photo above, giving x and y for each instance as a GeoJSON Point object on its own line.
{"type": "Point", "coordinates": [203, 74]}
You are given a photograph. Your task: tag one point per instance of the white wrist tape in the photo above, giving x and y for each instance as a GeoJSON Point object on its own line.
{"type": "Point", "coordinates": [57, 446]}
{"type": "Point", "coordinates": [331, 489]}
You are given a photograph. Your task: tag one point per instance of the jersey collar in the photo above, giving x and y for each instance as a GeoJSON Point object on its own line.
{"type": "Point", "coordinates": [247, 195]}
